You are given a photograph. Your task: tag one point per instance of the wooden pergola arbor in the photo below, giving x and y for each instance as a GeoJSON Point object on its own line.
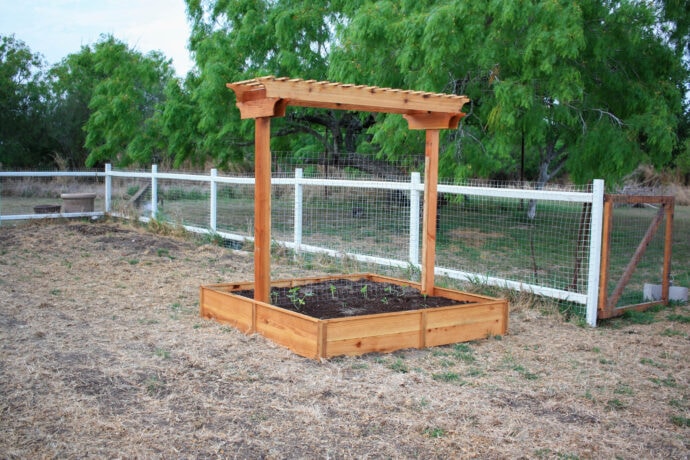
{"type": "Point", "coordinates": [268, 97]}
{"type": "Point", "coordinates": [471, 317]}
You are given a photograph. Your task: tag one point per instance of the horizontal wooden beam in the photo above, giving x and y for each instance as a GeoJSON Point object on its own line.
{"type": "Point", "coordinates": [422, 106]}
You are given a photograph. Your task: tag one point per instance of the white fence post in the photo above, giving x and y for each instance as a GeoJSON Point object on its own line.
{"type": "Point", "coordinates": [154, 191]}
{"type": "Point", "coordinates": [298, 210]}
{"type": "Point", "coordinates": [595, 240]}
{"type": "Point", "coordinates": [415, 181]}
{"type": "Point", "coordinates": [108, 187]}
{"type": "Point", "coordinates": [214, 200]}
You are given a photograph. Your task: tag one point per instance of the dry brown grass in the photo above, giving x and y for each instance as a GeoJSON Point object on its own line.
{"type": "Point", "coordinates": [646, 179]}
{"type": "Point", "coordinates": [103, 354]}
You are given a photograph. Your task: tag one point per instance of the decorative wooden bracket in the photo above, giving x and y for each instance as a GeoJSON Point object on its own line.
{"type": "Point", "coordinates": [433, 120]}
{"type": "Point", "coordinates": [267, 107]}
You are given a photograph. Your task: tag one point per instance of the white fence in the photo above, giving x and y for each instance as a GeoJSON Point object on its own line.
{"type": "Point", "coordinates": [335, 216]}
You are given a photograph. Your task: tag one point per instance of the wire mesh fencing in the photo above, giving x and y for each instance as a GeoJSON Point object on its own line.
{"type": "Point", "coordinates": [509, 234]}
{"type": "Point", "coordinates": [498, 237]}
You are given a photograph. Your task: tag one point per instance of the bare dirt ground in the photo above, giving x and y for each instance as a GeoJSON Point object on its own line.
{"type": "Point", "coordinates": [103, 354]}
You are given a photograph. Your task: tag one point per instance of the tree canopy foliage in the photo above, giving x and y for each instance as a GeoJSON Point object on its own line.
{"type": "Point", "coordinates": [126, 105]}
{"type": "Point", "coordinates": [587, 88]}
{"type": "Point", "coordinates": [21, 106]}
{"type": "Point", "coordinates": [234, 41]}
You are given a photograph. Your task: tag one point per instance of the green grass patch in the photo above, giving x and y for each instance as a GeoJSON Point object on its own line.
{"type": "Point", "coordinates": [161, 353]}
{"type": "Point", "coordinates": [399, 366]}
{"type": "Point", "coordinates": [615, 404]}
{"type": "Point", "coordinates": [669, 381]}
{"type": "Point", "coordinates": [463, 352]}
{"type": "Point", "coordinates": [525, 373]}
{"type": "Point", "coordinates": [446, 377]}
{"type": "Point", "coordinates": [434, 432]}
{"type": "Point", "coordinates": [683, 422]}
{"type": "Point", "coordinates": [676, 318]}
{"type": "Point", "coordinates": [673, 333]}
{"type": "Point", "coordinates": [639, 317]}
{"type": "Point", "coordinates": [651, 362]}
{"type": "Point", "coordinates": [623, 389]}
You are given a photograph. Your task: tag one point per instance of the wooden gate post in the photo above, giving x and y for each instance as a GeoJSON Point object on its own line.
{"type": "Point", "coordinates": [604, 310]}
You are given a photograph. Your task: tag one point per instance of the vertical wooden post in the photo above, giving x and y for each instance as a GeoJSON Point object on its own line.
{"type": "Point", "coordinates": [429, 224]}
{"type": "Point", "coordinates": [605, 249]}
{"type": "Point", "coordinates": [262, 209]}
{"type": "Point", "coordinates": [668, 244]}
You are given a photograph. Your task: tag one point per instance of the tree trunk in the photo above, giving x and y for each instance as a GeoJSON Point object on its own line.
{"type": "Point", "coordinates": [545, 175]}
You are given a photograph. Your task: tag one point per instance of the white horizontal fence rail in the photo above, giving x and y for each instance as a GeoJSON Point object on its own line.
{"type": "Point", "coordinates": [414, 189]}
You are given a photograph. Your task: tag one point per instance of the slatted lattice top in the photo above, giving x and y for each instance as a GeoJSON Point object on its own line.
{"type": "Point", "coordinates": [324, 94]}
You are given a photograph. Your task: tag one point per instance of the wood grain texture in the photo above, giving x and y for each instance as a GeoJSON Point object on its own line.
{"type": "Point", "coordinates": [355, 335]}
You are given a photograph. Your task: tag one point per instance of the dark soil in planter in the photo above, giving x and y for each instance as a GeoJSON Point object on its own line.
{"type": "Point", "coordinates": [340, 298]}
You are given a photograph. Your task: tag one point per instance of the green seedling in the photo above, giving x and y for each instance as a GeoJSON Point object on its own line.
{"type": "Point", "coordinates": [435, 432]}
{"type": "Point", "coordinates": [297, 300]}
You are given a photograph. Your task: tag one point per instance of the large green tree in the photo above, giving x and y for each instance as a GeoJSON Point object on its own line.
{"type": "Point", "coordinates": [239, 40]}
{"type": "Point", "coordinates": [589, 87]}
{"type": "Point", "coordinates": [72, 82]}
{"type": "Point", "coordinates": [126, 107]}
{"type": "Point", "coordinates": [23, 142]}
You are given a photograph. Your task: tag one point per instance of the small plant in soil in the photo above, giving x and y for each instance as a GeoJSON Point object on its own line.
{"type": "Point", "coordinates": [435, 432]}
{"type": "Point", "coordinates": [298, 300]}
{"type": "Point", "coordinates": [339, 298]}
{"type": "Point", "coordinates": [293, 295]}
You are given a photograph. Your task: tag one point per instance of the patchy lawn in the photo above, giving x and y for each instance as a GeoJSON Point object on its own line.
{"type": "Point", "coordinates": [103, 354]}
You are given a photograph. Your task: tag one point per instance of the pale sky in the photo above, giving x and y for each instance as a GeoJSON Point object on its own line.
{"type": "Point", "coordinates": [56, 28]}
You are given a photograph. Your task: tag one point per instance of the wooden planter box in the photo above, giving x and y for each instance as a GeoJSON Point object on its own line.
{"type": "Point", "coordinates": [355, 335]}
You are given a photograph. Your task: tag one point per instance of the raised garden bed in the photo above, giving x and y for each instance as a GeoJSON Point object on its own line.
{"type": "Point", "coordinates": [355, 314]}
